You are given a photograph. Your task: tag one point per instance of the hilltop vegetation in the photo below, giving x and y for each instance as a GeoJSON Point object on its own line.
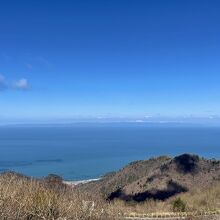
{"type": "Point", "coordinates": [163, 184]}
{"type": "Point", "coordinates": [158, 178]}
{"type": "Point", "coordinates": [24, 198]}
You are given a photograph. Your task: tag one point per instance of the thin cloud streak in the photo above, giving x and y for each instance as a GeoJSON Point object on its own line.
{"type": "Point", "coordinates": [21, 84]}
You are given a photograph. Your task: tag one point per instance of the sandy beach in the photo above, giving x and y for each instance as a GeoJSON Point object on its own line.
{"type": "Point", "coordinates": [77, 182]}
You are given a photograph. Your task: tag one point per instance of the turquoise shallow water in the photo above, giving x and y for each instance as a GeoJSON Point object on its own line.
{"type": "Point", "coordinates": [84, 152]}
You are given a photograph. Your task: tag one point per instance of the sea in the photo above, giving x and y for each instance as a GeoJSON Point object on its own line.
{"type": "Point", "coordinates": [88, 151]}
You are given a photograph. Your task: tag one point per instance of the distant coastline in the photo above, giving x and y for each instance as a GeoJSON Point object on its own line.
{"type": "Point", "coordinates": [78, 182]}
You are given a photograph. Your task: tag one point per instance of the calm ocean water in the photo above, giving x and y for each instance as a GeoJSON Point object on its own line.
{"type": "Point", "coordinates": [84, 152]}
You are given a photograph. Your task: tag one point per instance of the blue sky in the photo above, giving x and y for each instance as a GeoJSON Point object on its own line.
{"type": "Point", "coordinates": [119, 58]}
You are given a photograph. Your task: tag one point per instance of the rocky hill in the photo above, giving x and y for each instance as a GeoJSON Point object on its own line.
{"type": "Point", "coordinates": [158, 178]}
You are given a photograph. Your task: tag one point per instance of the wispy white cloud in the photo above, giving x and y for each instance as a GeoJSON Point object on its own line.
{"type": "Point", "coordinates": [20, 84]}
{"type": "Point", "coordinates": [139, 121]}
{"type": "Point", "coordinates": [147, 116]}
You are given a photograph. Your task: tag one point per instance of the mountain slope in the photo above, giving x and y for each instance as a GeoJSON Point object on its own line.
{"type": "Point", "coordinates": [158, 178]}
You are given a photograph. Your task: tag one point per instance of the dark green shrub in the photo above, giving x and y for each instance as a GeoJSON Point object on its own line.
{"type": "Point", "coordinates": [179, 205]}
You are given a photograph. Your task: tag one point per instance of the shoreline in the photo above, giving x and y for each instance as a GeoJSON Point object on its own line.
{"type": "Point", "coordinates": [78, 182]}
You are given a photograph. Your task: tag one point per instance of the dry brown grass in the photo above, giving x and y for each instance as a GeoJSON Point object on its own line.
{"type": "Point", "coordinates": [150, 206]}
{"type": "Point", "coordinates": [196, 201]}
{"type": "Point", "coordinates": [208, 199]}
{"type": "Point", "coordinates": [31, 199]}
{"type": "Point", "coordinates": [23, 198]}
